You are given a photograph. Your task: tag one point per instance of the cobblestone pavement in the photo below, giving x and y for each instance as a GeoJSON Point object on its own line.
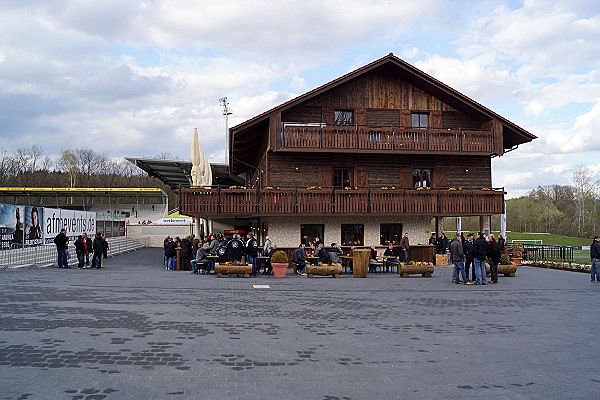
{"type": "Point", "coordinates": [135, 331]}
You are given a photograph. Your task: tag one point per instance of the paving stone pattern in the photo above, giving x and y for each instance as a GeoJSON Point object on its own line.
{"type": "Point", "coordinates": [135, 331]}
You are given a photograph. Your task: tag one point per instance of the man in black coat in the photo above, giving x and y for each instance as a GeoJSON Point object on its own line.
{"type": "Point", "coordinates": [170, 252]}
{"type": "Point", "coordinates": [493, 254]}
{"type": "Point", "coordinates": [61, 241]}
{"type": "Point", "coordinates": [235, 248]}
{"type": "Point", "coordinates": [98, 247]}
{"type": "Point", "coordinates": [480, 248]}
{"type": "Point", "coordinates": [299, 258]}
{"type": "Point", "coordinates": [468, 252]}
{"type": "Point", "coordinates": [186, 253]}
{"type": "Point", "coordinates": [80, 252]}
{"type": "Point", "coordinates": [252, 252]}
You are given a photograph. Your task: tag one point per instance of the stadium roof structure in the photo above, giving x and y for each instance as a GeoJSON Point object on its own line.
{"type": "Point", "coordinates": [125, 192]}
{"type": "Point", "coordinates": [179, 173]}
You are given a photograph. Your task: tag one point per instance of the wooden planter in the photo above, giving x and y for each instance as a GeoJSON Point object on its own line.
{"type": "Point", "coordinates": [245, 270]}
{"type": "Point", "coordinates": [406, 269]}
{"type": "Point", "coordinates": [503, 269]}
{"type": "Point", "coordinates": [334, 270]}
{"type": "Point", "coordinates": [279, 269]}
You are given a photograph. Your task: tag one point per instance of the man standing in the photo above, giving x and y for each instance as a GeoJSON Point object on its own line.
{"type": "Point", "coordinates": [595, 256]}
{"type": "Point", "coordinates": [493, 254]}
{"type": "Point", "coordinates": [480, 248]}
{"type": "Point", "coordinates": [98, 248]}
{"type": "Point", "coordinates": [468, 252]}
{"type": "Point", "coordinates": [405, 245]}
{"type": "Point", "coordinates": [234, 250]}
{"type": "Point", "coordinates": [457, 257]}
{"type": "Point", "coordinates": [80, 252]}
{"type": "Point", "coordinates": [87, 246]}
{"type": "Point", "coordinates": [169, 252]}
{"type": "Point", "coordinates": [252, 252]}
{"type": "Point", "coordinates": [61, 241]}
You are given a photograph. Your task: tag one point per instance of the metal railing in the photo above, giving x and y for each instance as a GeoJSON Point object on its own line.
{"type": "Point", "coordinates": [46, 255]}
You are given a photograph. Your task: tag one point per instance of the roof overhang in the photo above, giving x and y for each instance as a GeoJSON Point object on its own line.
{"type": "Point", "coordinates": [179, 173]}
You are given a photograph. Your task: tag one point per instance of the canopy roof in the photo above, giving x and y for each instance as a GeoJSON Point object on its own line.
{"type": "Point", "coordinates": [179, 173]}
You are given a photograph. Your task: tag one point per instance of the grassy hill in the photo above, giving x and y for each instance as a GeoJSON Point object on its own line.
{"type": "Point", "coordinates": [553, 240]}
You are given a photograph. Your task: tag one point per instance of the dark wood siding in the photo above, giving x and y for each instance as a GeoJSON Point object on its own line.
{"type": "Point", "coordinates": [383, 117]}
{"type": "Point", "coordinates": [303, 114]}
{"type": "Point", "coordinates": [455, 119]}
{"type": "Point", "coordinates": [315, 169]}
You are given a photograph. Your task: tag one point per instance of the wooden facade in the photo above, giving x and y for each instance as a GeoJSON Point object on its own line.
{"type": "Point", "coordinates": [292, 153]}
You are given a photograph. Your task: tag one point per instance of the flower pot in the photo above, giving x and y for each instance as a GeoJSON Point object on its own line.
{"type": "Point", "coordinates": [517, 260]}
{"type": "Point", "coordinates": [279, 269]}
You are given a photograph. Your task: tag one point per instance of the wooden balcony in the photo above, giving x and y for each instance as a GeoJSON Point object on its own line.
{"type": "Point", "coordinates": [390, 139]}
{"type": "Point", "coordinates": [255, 202]}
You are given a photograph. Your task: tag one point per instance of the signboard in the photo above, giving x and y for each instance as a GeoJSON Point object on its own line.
{"type": "Point", "coordinates": [74, 221]}
{"type": "Point", "coordinates": [232, 231]}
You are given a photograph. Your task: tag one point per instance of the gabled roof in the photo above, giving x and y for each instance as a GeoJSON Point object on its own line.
{"type": "Point", "coordinates": [513, 134]}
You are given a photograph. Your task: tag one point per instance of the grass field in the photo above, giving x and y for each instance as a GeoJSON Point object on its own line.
{"type": "Point", "coordinates": [580, 256]}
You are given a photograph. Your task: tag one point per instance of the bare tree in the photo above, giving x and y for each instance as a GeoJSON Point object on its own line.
{"type": "Point", "coordinates": [68, 163]}
{"type": "Point", "coordinates": [582, 177]}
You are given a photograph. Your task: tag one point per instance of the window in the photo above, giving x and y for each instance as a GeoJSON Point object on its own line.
{"type": "Point", "coordinates": [420, 120]}
{"type": "Point", "coordinates": [421, 177]}
{"type": "Point", "coordinates": [353, 235]}
{"type": "Point", "coordinates": [308, 233]}
{"type": "Point", "coordinates": [344, 117]}
{"type": "Point", "coordinates": [342, 177]}
{"type": "Point", "coordinates": [390, 233]}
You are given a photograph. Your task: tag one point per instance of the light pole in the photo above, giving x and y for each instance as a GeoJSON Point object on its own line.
{"type": "Point", "coordinates": [226, 112]}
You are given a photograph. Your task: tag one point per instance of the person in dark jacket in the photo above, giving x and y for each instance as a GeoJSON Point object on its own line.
{"type": "Point", "coordinates": [61, 241]}
{"type": "Point", "coordinates": [393, 255]}
{"type": "Point", "coordinates": [457, 258]}
{"type": "Point", "coordinates": [80, 252]}
{"type": "Point", "coordinates": [186, 253]}
{"type": "Point", "coordinates": [442, 244]}
{"type": "Point", "coordinates": [170, 252]}
{"type": "Point", "coordinates": [87, 245]}
{"type": "Point", "coordinates": [323, 255]}
{"type": "Point", "coordinates": [299, 258]}
{"type": "Point", "coordinates": [98, 248]}
{"type": "Point", "coordinates": [493, 253]}
{"type": "Point", "coordinates": [480, 248]}
{"type": "Point", "coordinates": [252, 252]}
{"type": "Point", "coordinates": [202, 261]}
{"type": "Point", "coordinates": [468, 252]}
{"type": "Point", "coordinates": [501, 243]}
{"type": "Point", "coordinates": [595, 256]}
{"type": "Point", "coordinates": [234, 250]}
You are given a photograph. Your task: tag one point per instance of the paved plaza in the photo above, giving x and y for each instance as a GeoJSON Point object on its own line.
{"type": "Point", "coordinates": [135, 331]}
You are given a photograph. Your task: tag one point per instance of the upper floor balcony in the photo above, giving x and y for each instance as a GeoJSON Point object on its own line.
{"type": "Point", "coordinates": [386, 139]}
{"type": "Point", "coordinates": [270, 201]}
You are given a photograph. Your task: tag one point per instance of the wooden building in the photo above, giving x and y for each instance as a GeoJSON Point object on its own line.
{"type": "Point", "coordinates": [377, 152]}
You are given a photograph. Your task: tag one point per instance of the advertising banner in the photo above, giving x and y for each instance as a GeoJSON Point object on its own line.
{"type": "Point", "coordinates": [74, 221]}
{"type": "Point", "coordinates": [11, 225]}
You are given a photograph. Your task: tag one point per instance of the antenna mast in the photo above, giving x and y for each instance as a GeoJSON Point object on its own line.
{"type": "Point", "coordinates": [226, 112]}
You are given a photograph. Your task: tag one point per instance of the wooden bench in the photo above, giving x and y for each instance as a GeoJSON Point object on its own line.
{"type": "Point", "coordinates": [406, 269]}
{"type": "Point", "coordinates": [244, 270]}
{"type": "Point", "coordinates": [381, 266]}
{"type": "Point", "coordinates": [333, 269]}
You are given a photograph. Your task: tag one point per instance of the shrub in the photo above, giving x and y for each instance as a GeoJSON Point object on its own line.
{"type": "Point", "coordinates": [279, 257]}
{"type": "Point", "coordinates": [504, 259]}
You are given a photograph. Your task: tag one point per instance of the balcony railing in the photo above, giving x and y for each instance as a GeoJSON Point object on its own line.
{"type": "Point", "coordinates": [257, 201]}
{"type": "Point", "coordinates": [393, 139]}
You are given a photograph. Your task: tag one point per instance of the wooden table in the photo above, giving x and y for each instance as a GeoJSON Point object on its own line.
{"type": "Point", "coordinates": [347, 262]}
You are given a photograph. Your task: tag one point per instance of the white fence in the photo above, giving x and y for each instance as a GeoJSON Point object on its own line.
{"type": "Point", "coordinates": [44, 256]}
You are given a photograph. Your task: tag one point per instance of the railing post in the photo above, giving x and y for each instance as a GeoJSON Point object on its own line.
{"type": "Point", "coordinates": [460, 140]}
{"type": "Point", "coordinates": [257, 208]}
{"type": "Point", "coordinates": [427, 138]}
{"type": "Point", "coordinates": [295, 211]}
{"type": "Point", "coordinates": [356, 135]}
{"type": "Point", "coordinates": [332, 201]}
{"type": "Point", "coordinates": [369, 208]}
{"type": "Point", "coordinates": [320, 137]}
{"type": "Point", "coordinates": [219, 199]}
{"type": "Point", "coordinates": [281, 134]}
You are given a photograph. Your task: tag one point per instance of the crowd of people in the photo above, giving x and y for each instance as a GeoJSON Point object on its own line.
{"type": "Point", "coordinates": [471, 253]}
{"type": "Point", "coordinates": [200, 256]}
{"type": "Point", "coordinates": [84, 246]}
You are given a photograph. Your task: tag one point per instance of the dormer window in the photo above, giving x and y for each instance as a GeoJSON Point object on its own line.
{"type": "Point", "coordinates": [344, 117]}
{"type": "Point", "coordinates": [420, 120]}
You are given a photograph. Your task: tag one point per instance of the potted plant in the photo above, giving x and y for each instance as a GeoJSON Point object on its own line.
{"type": "Point", "coordinates": [280, 263]}
{"type": "Point", "coordinates": [517, 253]}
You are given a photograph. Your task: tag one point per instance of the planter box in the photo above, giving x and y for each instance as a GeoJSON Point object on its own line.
{"type": "Point", "coordinates": [406, 269]}
{"type": "Point", "coordinates": [334, 270]}
{"type": "Point", "coordinates": [503, 269]}
{"type": "Point", "coordinates": [245, 270]}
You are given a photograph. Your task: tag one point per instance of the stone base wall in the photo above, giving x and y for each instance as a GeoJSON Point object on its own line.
{"type": "Point", "coordinates": [285, 231]}
{"type": "Point", "coordinates": [156, 234]}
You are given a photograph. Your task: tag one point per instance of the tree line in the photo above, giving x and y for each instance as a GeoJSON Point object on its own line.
{"type": "Point", "coordinates": [571, 210]}
{"type": "Point", "coordinates": [82, 167]}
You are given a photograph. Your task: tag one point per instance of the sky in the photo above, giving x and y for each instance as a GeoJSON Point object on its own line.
{"type": "Point", "coordinates": [133, 78]}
